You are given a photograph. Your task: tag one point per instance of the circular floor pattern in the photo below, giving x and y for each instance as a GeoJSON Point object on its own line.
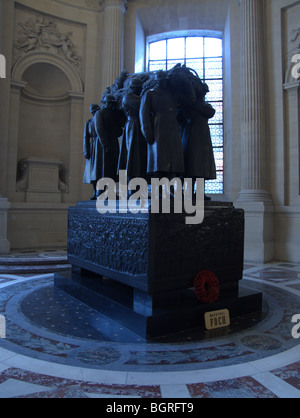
{"type": "Point", "coordinates": [44, 323]}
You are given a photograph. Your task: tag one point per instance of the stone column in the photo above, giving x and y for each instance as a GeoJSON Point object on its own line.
{"type": "Point", "coordinates": [1, 24]}
{"type": "Point", "coordinates": [4, 243]}
{"type": "Point", "coordinates": [255, 197]}
{"type": "Point", "coordinates": [14, 117]}
{"type": "Point", "coordinates": [113, 41]}
{"type": "Point", "coordinates": [76, 155]}
{"type": "Point", "coordinates": [7, 10]}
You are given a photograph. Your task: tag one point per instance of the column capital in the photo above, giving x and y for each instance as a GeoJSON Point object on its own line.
{"type": "Point", "coordinates": [260, 3]}
{"type": "Point", "coordinates": [121, 4]}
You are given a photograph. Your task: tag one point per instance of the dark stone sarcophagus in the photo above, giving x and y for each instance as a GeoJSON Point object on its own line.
{"type": "Point", "coordinates": [158, 252]}
{"type": "Point", "coordinates": [139, 269]}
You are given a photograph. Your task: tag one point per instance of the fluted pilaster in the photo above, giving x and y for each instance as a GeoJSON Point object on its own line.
{"type": "Point", "coordinates": [255, 198]}
{"type": "Point", "coordinates": [255, 184]}
{"type": "Point", "coordinates": [113, 41]}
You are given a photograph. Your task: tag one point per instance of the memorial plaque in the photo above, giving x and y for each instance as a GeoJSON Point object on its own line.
{"type": "Point", "coordinates": [217, 319]}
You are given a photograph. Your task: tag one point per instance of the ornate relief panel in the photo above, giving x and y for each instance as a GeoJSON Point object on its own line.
{"type": "Point", "coordinates": [36, 32]}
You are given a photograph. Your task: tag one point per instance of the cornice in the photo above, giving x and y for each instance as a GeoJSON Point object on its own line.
{"type": "Point", "coordinates": [121, 4]}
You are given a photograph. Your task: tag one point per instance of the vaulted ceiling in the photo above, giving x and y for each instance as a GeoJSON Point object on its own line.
{"type": "Point", "coordinates": [159, 16]}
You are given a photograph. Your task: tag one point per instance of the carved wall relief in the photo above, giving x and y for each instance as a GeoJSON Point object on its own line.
{"type": "Point", "coordinates": [42, 34]}
{"type": "Point", "coordinates": [39, 33]}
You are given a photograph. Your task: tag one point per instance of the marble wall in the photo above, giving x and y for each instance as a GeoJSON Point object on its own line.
{"type": "Point", "coordinates": [60, 57]}
{"type": "Point", "coordinates": [283, 17]}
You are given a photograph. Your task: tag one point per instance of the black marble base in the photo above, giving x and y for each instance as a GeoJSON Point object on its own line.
{"type": "Point", "coordinates": [139, 269]}
{"type": "Point", "coordinates": [150, 316]}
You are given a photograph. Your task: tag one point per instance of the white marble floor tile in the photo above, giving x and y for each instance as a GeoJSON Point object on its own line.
{"type": "Point", "coordinates": [12, 388]}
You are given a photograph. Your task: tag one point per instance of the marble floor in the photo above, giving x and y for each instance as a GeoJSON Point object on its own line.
{"type": "Point", "coordinates": [52, 346]}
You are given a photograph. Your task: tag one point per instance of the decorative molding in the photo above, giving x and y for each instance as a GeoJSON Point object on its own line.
{"type": "Point", "coordinates": [293, 49]}
{"type": "Point", "coordinates": [292, 86]}
{"type": "Point", "coordinates": [33, 57]}
{"type": "Point", "coordinates": [93, 4]}
{"type": "Point", "coordinates": [42, 35]}
{"type": "Point", "coordinates": [31, 97]}
{"type": "Point", "coordinates": [30, 170]}
{"type": "Point", "coordinates": [17, 85]}
{"type": "Point", "coordinates": [90, 5]}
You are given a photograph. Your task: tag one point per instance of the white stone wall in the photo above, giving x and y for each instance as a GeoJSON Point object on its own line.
{"type": "Point", "coordinates": [283, 18]}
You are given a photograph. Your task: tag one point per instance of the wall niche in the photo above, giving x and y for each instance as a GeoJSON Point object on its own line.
{"type": "Point", "coordinates": [44, 120]}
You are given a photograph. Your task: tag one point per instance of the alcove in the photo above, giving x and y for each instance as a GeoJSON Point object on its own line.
{"type": "Point", "coordinates": [44, 120]}
{"type": "Point", "coordinates": [45, 139]}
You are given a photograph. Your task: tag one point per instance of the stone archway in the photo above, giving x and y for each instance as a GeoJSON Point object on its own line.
{"type": "Point", "coordinates": [45, 58]}
{"type": "Point", "coordinates": [47, 93]}
{"type": "Point", "coordinates": [45, 135]}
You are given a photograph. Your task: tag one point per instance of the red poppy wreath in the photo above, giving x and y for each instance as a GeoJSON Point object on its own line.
{"type": "Point", "coordinates": [207, 287]}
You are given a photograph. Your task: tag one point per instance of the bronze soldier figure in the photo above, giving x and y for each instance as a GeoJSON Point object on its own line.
{"type": "Point", "coordinates": [133, 156]}
{"type": "Point", "coordinates": [92, 151]}
{"type": "Point", "coordinates": [197, 145]}
{"type": "Point", "coordinates": [160, 128]}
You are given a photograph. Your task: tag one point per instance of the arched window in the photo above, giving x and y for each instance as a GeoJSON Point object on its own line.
{"type": "Point", "coordinates": [203, 52]}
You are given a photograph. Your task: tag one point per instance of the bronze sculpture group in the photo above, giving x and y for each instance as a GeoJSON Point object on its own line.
{"type": "Point", "coordinates": [162, 120]}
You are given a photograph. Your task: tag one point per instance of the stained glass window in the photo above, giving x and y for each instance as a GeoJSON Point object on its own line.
{"type": "Point", "coordinates": [204, 54]}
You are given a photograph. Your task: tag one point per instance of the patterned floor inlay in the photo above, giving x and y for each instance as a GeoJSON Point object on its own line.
{"type": "Point", "coordinates": [18, 383]}
{"type": "Point", "coordinates": [290, 374]}
{"type": "Point", "coordinates": [244, 387]}
{"type": "Point", "coordinates": [58, 347]}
